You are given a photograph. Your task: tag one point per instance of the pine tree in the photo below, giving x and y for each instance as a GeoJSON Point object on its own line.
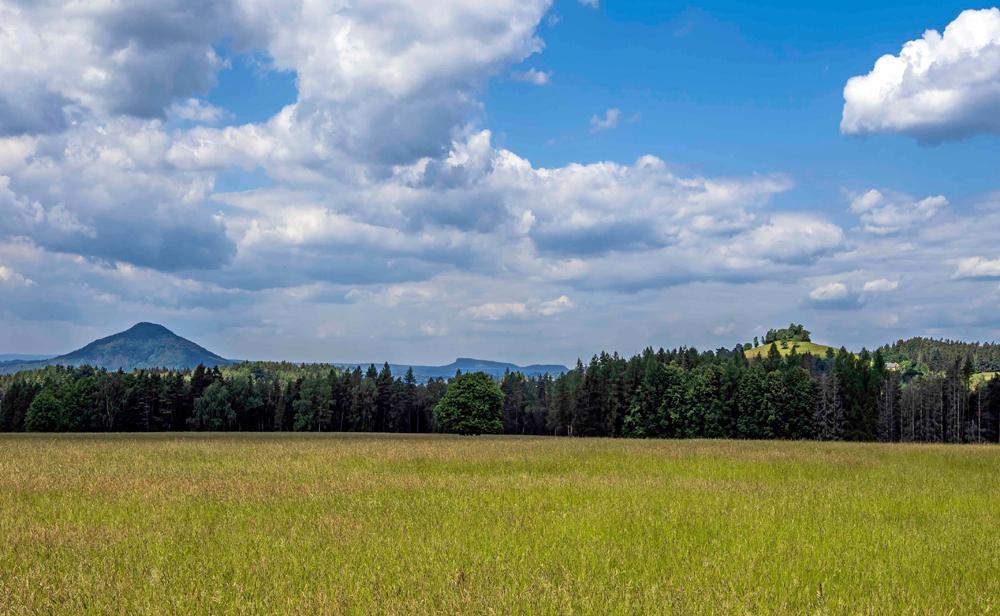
{"type": "Point", "coordinates": [753, 401]}
{"type": "Point", "coordinates": [384, 418]}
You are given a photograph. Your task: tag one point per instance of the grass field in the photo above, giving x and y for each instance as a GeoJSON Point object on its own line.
{"type": "Point", "coordinates": [817, 350]}
{"type": "Point", "coordinates": [364, 524]}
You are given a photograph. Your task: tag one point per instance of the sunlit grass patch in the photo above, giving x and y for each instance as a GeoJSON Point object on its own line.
{"type": "Point", "coordinates": [981, 378]}
{"type": "Point", "coordinates": [785, 348]}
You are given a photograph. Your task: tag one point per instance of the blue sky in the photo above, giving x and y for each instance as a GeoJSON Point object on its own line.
{"type": "Point", "coordinates": [731, 88]}
{"type": "Point", "coordinates": [722, 88]}
{"type": "Point", "coordinates": [517, 180]}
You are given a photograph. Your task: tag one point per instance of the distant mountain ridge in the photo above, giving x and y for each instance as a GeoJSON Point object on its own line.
{"type": "Point", "coordinates": [9, 360]}
{"type": "Point", "coordinates": [149, 345]}
{"type": "Point", "coordinates": [495, 369]}
{"type": "Point", "coordinates": [10, 357]}
{"type": "Point", "coordinates": [143, 346]}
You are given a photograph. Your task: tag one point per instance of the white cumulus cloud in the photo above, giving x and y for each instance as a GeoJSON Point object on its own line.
{"type": "Point", "coordinates": [65, 61]}
{"type": "Point", "coordinates": [884, 213]}
{"type": "Point", "coordinates": [495, 311]}
{"type": "Point", "coordinates": [939, 87]}
{"type": "Point", "coordinates": [788, 238]}
{"type": "Point", "coordinates": [978, 267]}
{"type": "Point", "coordinates": [555, 306]}
{"type": "Point", "coordinates": [834, 291]}
{"type": "Point", "coordinates": [881, 285]}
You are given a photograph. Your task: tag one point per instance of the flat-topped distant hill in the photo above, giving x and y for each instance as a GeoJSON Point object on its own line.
{"type": "Point", "coordinates": [148, 345]}
{"type": "Point", "coordinates": [495, 369]}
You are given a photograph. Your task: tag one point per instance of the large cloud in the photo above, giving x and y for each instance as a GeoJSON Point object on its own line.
{"type": "Point", "coordinates": [105, 192]}
{"type": "Point", "coordinates": [384, 200]}
{"type": "Point", "coordinates": [379, 83]}
{"type": "Point", "coordinates": [787, 238]}
{"type": "Point", "coordinates": [939, 87]}
{"type": "Point", "coordinates": [978, 267]}
{"type": "Point", "coordinates": [389, 80]}
{"type": "Point", "coordinates": [382, 82]}
{"type": "Point", "coordinates": [63, 61]}
{"type": "Point", "coordinates": [486, 210]}
{"type": "Point", "coordinates": [884, 213]}
{"type": "Point", "coordinates": [377, 179]}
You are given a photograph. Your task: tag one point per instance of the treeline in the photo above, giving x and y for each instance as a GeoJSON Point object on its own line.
{"type": "Point", "coordinates": [247, 397]}
{"type": "Point", "coordinates": [931, 355]}
{"type": "Point", "coordinates": [680, 393]}
{"type": "Point", "coordinates": [842, 396]}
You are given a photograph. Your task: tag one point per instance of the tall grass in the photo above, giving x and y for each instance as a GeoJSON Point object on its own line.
{"type": "Point", "coordinates": [393, 524]}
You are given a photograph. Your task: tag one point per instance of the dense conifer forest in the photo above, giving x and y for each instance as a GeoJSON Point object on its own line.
{"type": "Point", "coordinates": [923, 354]}
{"type": "Point", "coordinates": [916, 390]}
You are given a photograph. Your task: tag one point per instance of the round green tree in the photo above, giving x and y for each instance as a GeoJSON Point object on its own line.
{"type": "Point", "coordinates": [44, 414]}
{"type": "Point", "coordinates": [473, 404]}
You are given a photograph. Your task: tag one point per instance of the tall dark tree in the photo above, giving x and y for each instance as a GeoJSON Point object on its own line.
{"type": "Point", "coordinates": [384, 393]}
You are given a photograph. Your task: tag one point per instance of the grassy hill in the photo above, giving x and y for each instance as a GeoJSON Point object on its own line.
{"type": "Point", "coordinates": [785, 348]}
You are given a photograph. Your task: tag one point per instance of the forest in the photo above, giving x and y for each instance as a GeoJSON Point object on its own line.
{"type": "Point", "coordinates": [920, 355]}
{"type": "Point", "coordinates": [680, 393]}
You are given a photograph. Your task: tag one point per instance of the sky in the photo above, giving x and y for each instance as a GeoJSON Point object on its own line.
{"type": "Point", "coordinates": [520, 180]}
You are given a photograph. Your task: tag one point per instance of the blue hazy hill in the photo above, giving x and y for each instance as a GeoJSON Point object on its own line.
{"type": "Point", "coordinates": [495, 369]}
{"type": "Point", "coordinates": [148, 345]}
{"type": "Point", "coordinates": [144, 345]}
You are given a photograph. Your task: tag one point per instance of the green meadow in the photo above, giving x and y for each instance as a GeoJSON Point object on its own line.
{"type": "Point", "coordinates": [232, 524]}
